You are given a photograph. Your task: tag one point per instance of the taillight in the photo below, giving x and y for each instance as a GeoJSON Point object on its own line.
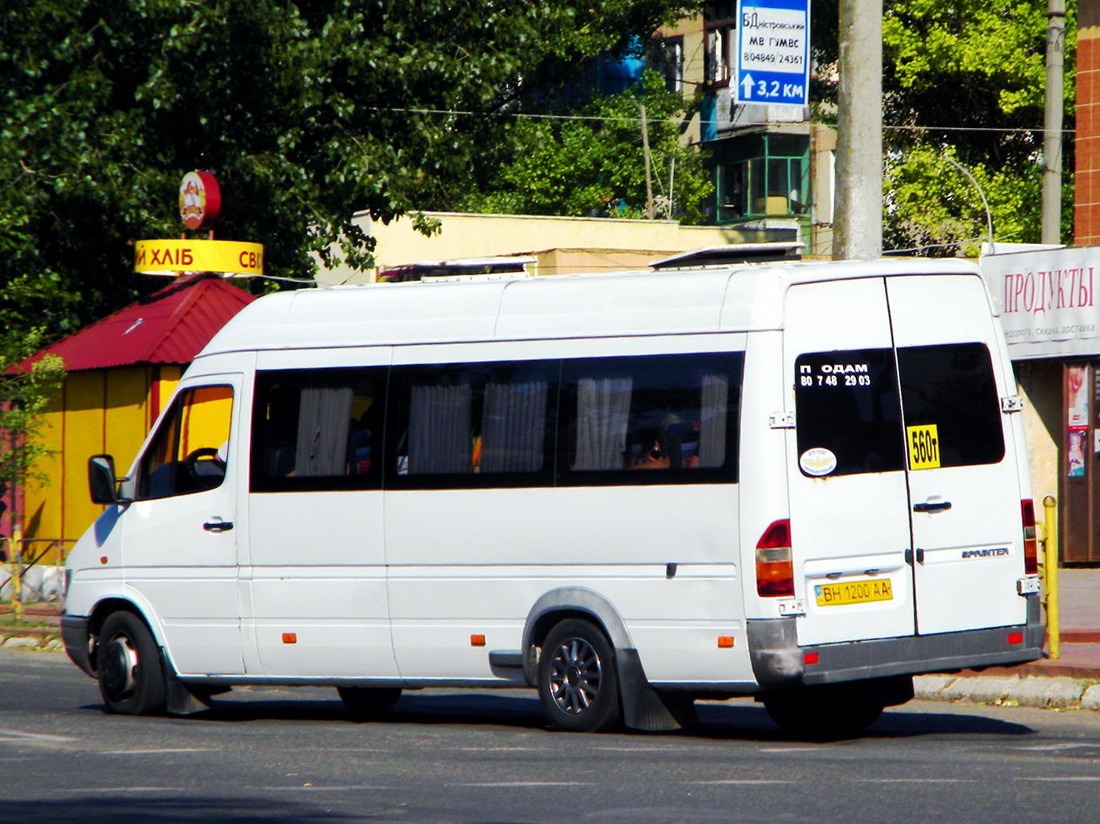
{"type": "Point", "coordinates": [1031, 544]}
{"type": "Point", "coordinates": [774, 567]}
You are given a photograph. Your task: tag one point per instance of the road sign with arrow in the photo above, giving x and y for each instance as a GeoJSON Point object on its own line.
{"type": "Point", "coordinates": [773, 52]}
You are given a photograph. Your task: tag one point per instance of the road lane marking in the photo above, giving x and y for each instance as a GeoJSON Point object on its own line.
{"type": "Point", "coordinates": [916, 780]}
{"type": "Point", "coordinates": [738, 781]}
{"type": "Point", "coordinates": [160, 751]}
{"type": "Point", "coordinates": [509, 784]}
{"type": "Point", "coordinates": [21, 735]}
{"type": "Point", "coordinates": [1059, 778]}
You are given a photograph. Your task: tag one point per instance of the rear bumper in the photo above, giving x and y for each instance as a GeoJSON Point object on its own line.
{"type": "Point", "coordinates": [779, 662]}
{"type": "Point", "coordinates": [74, 634]}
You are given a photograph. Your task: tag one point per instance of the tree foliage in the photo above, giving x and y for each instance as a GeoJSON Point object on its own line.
{"type": "Point", "coordinates": [964, 80]}
{"type": "Point", "coordinates": [306, 111]}
{"type": "Point", "coordinates": [593, 162]}
{"type": "Point", "coordinates": [25, 396]}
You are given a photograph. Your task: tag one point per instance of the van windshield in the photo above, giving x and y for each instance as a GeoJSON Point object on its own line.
{"type": "Point", "coordinates": [859, 410]}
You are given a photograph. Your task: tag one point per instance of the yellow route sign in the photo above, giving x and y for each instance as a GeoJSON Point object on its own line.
{"type": "Point", "coordinates": [924, 446]}
{"type": "Point", "coordinates": [229, 257]}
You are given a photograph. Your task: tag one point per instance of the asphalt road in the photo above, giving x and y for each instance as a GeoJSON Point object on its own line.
{"type": "Point", "coordinates": [486, 758]}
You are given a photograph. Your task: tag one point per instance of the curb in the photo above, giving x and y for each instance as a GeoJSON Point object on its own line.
{"type": "Point", "coordinates": [1043, 692]}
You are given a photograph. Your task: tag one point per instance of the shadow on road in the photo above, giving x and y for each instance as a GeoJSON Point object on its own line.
{"type": "Point", "coordinates": [131, 806]}
{"type": "Point", "coordinates": [740, 719]}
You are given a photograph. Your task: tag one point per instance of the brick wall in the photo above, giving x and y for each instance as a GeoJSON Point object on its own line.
{"type": "Point", "coordinates": [1086, 205]}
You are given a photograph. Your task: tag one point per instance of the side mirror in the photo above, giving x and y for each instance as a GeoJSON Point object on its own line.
{"type": "Point", "coordinates": [101, 479]}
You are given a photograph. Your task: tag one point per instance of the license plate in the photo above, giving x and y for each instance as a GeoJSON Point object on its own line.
{"type": "Point", "coordinates": [853, 592]}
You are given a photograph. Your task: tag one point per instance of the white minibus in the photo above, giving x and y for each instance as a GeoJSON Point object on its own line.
{"type": "Point", "coordinates": [804, 482]}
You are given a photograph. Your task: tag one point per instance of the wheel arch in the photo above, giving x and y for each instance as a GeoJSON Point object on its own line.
{"type": "Point", "coordinates": [574, 602]}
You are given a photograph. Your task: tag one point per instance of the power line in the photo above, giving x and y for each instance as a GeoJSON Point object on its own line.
{"type": "Point", "coordinates": [625, 119]}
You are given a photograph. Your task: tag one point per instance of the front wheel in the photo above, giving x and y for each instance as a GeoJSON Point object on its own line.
{"type": "Point", "coordinates": [128, 667]}
{"type": "Point", "coordinates": [577, 683]}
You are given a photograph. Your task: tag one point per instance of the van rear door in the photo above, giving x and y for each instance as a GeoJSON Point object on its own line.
{"type": "Point", "coordinates": [904, 491]}
{"type": "Point", "coordinates": [964, 485]}
{"type": "Point", "coordinates": [849, 499]}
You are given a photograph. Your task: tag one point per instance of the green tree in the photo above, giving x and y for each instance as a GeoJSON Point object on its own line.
{"type": "Point", "coordinates": [25, 396]}
{"type": "Point", "coordinates": [592, 162]}
{"type": "Point", "coordinates": [964, 80]}
{"type": "Point", "coordinates": [306, 111]}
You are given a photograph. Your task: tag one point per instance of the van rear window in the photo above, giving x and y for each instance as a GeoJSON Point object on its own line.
{"type": "Point", "coordinates": [952, 388]}
{"type": "Point", "coordinates": [857, 411]}
{"type": "Point", "coordinates": [848, 409]}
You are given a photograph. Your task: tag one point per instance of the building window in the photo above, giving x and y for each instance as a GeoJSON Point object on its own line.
{"type": "Point", "coordinates": [665, 55]}
{"type": "Point", "coordinates": [764, 175]}
{"type": "Point", "coordinates": [720, 22]}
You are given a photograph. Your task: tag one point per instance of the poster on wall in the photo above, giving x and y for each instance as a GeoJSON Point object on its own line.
{"type": "Point", "coordinates": [1077, 419]}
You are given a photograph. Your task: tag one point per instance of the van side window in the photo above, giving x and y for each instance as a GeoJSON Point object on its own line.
{"type": "Point", "coordinates": [847, 405]}
{"type": "Point", "coordinates": [952, 387]}
{"type": "Point", "coordinates": [486, 424]}
{"type": "Point", "coordinates": [190, 448]}
{"type": "Point", "coordinates": [652, 419]}
{"type": "Point", "coordinates": [315, 429]}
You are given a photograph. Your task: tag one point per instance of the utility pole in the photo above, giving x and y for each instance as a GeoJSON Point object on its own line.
{"type": "Point", "coordinates": [857, 228]}
{"type": "Point", "coordinates": [1051, 231]}
{"type": "Point", "coordinates": [649, 212]}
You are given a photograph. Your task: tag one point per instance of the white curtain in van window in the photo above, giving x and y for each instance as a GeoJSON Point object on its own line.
{"type": "Point", "coordinates": [712, 431]}
{"type": "Point", "coordinates": [439, 429]}
{"type": "Point", "coordinates": [513, 427]}
{"type": "Point", "coordinates": [603, 408]}
{"type": "Point", "coordinates": [323, 423]}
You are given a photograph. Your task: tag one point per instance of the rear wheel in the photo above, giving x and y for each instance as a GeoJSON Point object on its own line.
{"type": "Point", "coordinates": [128, 667]}
{"type": "Point", "coordinates": [577, 682]}
{"type": "Point", "coordinates": [826, 712]}
{"type": "Point", "coordinates": [364, 703]}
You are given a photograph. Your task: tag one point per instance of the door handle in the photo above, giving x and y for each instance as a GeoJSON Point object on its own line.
{"type": "Point", "coordinates": [218, 526]}
{"type": "Point", "coordinates": [911, 557]}
{"type": "Point", "coordinates": [936, 506]}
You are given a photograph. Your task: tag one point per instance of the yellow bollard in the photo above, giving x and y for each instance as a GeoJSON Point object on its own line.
{"type": "Point", "coordinates": [17, 572]}
{"type": "Point", "coordinates": [1050, 568]}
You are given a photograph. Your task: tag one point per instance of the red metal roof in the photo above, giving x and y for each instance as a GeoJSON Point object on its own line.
{"type": "Point", "coordinates": [168, 326]}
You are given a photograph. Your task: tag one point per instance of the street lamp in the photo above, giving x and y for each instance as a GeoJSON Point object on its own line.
{"type": "Point", "coordinates": [981, 194]}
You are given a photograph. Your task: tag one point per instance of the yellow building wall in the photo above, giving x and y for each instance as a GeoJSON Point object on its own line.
{"type": "Point", "coordinates": [691, 30]}
{"type": "Point", "coordinates": [474, 236]}
{"type": "Point", "coordinates": [40, 519]}
{"type": "Point", "coordinates": [99, 411]}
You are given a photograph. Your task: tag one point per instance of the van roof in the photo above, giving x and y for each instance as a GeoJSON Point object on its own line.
{"type": "Point", "coordinates": [672, 301]}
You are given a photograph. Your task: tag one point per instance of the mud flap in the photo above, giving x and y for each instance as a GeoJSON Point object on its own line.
{"type": "Point", "coordinates": [180, 700]}
{"type": "Point", "coordinates": [644, 708]}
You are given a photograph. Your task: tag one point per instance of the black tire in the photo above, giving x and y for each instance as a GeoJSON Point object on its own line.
{"type": "Point", "coordinates": [364, 703]}
{"type": "Point", "coordinates": [577, 682]}
{"type": "Point", "coordinates": [825, 713]}
{"type": "Point", "coordinates": [128, 667]}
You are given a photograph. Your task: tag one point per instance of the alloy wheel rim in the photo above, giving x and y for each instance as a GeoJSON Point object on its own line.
{"type": "Point", "coordinates": [576, 673]}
